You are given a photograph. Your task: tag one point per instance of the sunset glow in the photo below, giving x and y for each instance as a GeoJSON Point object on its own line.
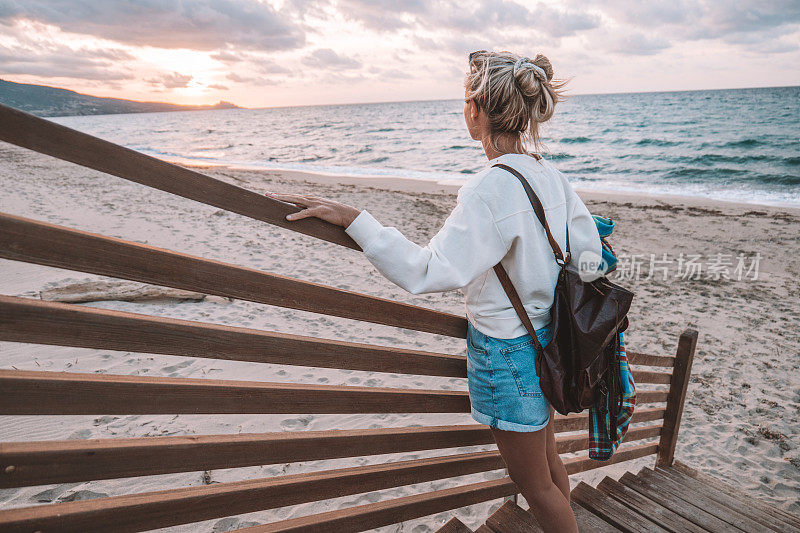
{"type": "Point", "coordinates": [297, 52]}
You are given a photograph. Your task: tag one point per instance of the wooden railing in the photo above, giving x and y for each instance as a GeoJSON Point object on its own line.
{"type": "Point", "coordinates": [39, 392]}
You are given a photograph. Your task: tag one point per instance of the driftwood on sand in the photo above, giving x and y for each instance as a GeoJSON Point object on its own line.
{"type": "Point", "coordinates": [128, 291]}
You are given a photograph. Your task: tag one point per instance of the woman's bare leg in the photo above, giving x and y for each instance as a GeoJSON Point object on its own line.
{"type": "Point", "coordinates": [525, 455]}
{"type": "Point", "coordinates": [557, 471]}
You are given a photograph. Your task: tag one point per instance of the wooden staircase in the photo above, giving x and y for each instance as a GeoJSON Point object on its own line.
{"type": "Point", "coordinates": [668, 498]}
{"type": "Point", "coordinates": [674, 499]}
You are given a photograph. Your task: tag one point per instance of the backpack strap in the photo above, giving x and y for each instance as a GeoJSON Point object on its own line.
{"type": "Point", "coordinates": [501, 273]}
{"type": "Point", "coordinates": [539, 210]}
{"type": "Point", "coordinates": [505, 281]}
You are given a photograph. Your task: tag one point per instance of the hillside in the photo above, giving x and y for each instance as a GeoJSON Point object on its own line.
{"type": "Point", "coordinates": [54, 102]}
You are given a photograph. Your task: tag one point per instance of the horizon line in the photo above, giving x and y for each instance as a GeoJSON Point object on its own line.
{"type": "Point", "coordinates": [568, 96]}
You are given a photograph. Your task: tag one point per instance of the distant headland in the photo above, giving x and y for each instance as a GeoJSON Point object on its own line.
{"type": "Point", "coordinates": [47, 101]}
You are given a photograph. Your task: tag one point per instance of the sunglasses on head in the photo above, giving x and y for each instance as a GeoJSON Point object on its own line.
{"type": "Point", "coordinates": [473, 54]}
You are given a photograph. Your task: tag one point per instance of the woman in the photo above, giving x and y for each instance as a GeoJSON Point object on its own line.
{"type": "Point", "coordinates": [507, 97]}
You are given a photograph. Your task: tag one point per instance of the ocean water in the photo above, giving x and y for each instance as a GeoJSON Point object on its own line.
{"type": "Point", "coordinates": [738, 144]}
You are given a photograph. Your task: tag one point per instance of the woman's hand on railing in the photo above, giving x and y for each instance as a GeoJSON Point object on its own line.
{"type": "Point", "coordinates": [314, 206]}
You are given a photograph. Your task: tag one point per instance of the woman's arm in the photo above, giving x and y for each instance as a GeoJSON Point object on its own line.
{"type": "Point", "coordinates": [467, 245]}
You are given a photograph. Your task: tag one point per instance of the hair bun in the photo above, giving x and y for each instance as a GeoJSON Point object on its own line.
{"type": "Point", "coordinates": [543, 63]}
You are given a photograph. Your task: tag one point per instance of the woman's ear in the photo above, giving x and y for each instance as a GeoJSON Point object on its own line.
{"type": "Point", "coordinates": [474, 109]}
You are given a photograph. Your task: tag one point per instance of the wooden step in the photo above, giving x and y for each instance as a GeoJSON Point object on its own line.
{"type": "Point", "coordinates": [732, 516]}
{"type": "Point", "coordinates": [511, 518]}
{"type": "Point", "coordinates": [454, 525]}
{"type": "Point", "coordinates": [648, 508]}
{"type": "Point", "coordinates": [745, 500]}
{"type": "Point", "coordinates": [612, 511]}
{"type": "Point", "coordinates": [765, 520]}
{"type": "Point", "coordinates": [695, 514]}
{"type": "Point", "coordinates": [589, 522]}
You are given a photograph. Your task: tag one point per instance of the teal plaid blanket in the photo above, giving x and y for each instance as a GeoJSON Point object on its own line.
{"type": "Point", "coordinates": [610, 417]}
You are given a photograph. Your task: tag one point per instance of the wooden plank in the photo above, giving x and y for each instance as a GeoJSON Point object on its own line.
{"type": "Point", "coordinates": [49, 138]}
{"type": "Point", "coordinates": [484, 529]}
{"type": "Point", "coordinates": [373, 515]}
{"type": "Point", "coordinates": [647, 396]}
{"type": "Point", "coordinates": [146, 511]}
{"type": "Point", "coordinates": [677, 395]}
{"type": "Point", "coordinates": [31, 241]}
{"type": "Point", "coordinates": [689, 511]}
{"type": "Point", "coordinates": [39, 393]}
{"type": "Point", "coordinates": [589, 522]}
{"type": "Point", "coordinates": [732, 516]}
{"type": "Point", "coordinates": [645, 376]}
{"type": "Point", "coordinates": [62, 324]}
{"type": "Point", "coordinates": [580, 421]}
{"type": "Point", "coordinates": [646, 414]}
{"type": "Point", "coordinates": [746, 500]}
{"type": "Point", "coordinates": [613, 512]}
{"type": "Point", "coordinates": [625, 452]}
{"type": "Point", "coordinates": [48, 462]}
{"type": "Point", "coordinates": [454, 525]}
{"type": "Point", "coordinates": [642, 359]}
{"type": "Point", "coordinates": [765, 520]}
{"type": "Point", "coordinates": [511, 518]}
{"type": "Point", "coordinates": [648, 508]}
{"type": "Point", "coordinates": [581, 442]}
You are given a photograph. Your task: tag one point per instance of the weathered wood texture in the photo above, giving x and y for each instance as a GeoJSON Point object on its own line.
{"type": "Point", "coordinates": [613, 512]}
{"type": "Point", "coordinates": [49, 138]}
{"type": "Point", "coordinates": [31, 392]}
{"type": "Point", "coordinates": [511, 518]}
{"type": "Point", "coordinates": [643, 359]}
{"type": "Point", "coordinates": [648, 508]}
{"type": "Point", "coordinates": [370, 516]}
{"type": "Point", "coordinates": [735, 497]}
{"type": "Point", "coordinates": [39, 463]}
{"type": "Point", "coordinates": [61, 324]}
{"type": "Point", "coordinates": [67, 393]}
{"type": "Point", "coordinates": [35, 321]}
{"type": "Point", "coordinates": [644, 503]}
{"type": "Point", "coordinates": [575, 465]}
{"type": "Point", "coordinates": [691, 512]}
{"type": "Point", "coordinates": [139, 512]}
{"type": "Point", "coordinates": [22, 239]}
{"type": "Point", "coordinates": [454, 525]}
{"type": "Point", "coordinates": [588, 522]}
{"type": "Point", "coordinates": [736, 517]}
{"type": "Point", "coordinates": [677, 396]}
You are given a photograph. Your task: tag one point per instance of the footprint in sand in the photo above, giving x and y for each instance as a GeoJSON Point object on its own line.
{"type": "Point", "coordinates": [51, 494]}
{"type": "Point", "coordinates": [82, 434]}
{"type": "Point", "coordinates": [174, 368]}
{"type": "Point", "coordinates": [295, 423]}
{"type": "Point", "coordinates": [231, 524]}
{"type": "Point", "coordinates": [105, 420]}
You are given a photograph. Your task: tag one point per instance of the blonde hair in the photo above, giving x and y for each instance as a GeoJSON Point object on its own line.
{"type": "Point", "coordinates": [516, 92]}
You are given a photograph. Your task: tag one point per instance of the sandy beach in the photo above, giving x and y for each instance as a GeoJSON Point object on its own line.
{"type": "Point", "coordinates": [742, 417]}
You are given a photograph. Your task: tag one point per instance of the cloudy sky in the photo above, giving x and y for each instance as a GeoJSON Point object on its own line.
{"type": "Point", "coordinates": [297, 52]}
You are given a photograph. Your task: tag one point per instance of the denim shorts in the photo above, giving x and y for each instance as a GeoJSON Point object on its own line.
{"type": "Point", "coordinates": [504, 388]}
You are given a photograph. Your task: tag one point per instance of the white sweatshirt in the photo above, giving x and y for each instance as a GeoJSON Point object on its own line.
{"type": "Point", "coordinates": [492, 221]}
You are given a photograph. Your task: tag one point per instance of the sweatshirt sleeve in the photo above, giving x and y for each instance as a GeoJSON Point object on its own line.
{"type": "Point", "coordinates": [466, 246]}
{"type": "Point", "coordinates": [583, 234]}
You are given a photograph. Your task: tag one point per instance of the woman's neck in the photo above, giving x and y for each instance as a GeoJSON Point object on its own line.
{"type": "Point", "coordinates": [506, 144]}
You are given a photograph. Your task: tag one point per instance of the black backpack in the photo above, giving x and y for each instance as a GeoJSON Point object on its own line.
{"type": "Point", "coordinates": [579, 365]}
